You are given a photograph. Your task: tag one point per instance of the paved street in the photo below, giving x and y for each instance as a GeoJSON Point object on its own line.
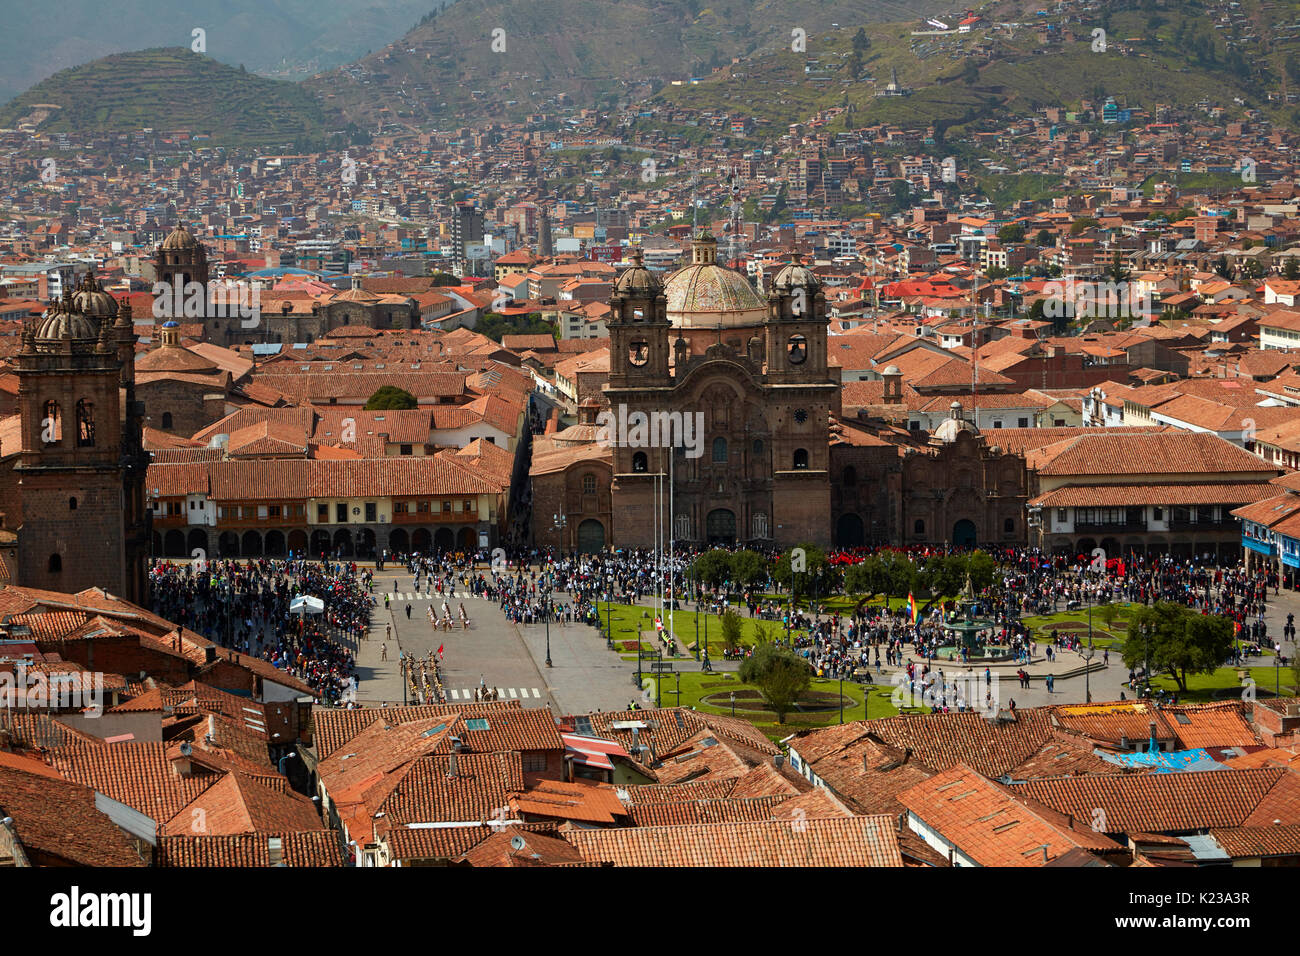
{"type": "Point", "coordinates": [493, 652]}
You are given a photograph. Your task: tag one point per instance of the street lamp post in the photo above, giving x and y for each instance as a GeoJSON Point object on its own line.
{"type": "Point", "coordinates": [546, 613]}
{"type": "Point", "coordinates": [841, 696]}
{"type": "Point", "coordinates": [733, 703]}
{"type": "Point", "coordinates": [1087, 670]}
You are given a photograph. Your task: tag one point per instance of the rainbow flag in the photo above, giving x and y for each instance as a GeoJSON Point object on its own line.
{"type": "Point", "coordinates": [911, 607]}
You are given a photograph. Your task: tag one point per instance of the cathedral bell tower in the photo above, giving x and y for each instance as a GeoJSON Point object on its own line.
{"type": "Point", "coordinates": [796, 326]}
{"type": "Point", "coordinates": [638, 329]}
{"type": "Point", "coordinates": [80, 469]}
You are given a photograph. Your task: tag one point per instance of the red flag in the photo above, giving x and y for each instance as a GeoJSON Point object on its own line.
{"type": "Point", "coordinates": [440, 647]}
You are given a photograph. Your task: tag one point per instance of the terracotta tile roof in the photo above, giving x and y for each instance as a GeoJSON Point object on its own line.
{"type": "Point", "coordinates": [137, 774]}
{"type": "Point", "coordinates": [1063, 758]}
{"type": "Point", "coordinates": [240, 803]}
{"type": "Point", "coordinates": [430, 844]}
{"type": "Point", "coordinates": [868, 774]}
{"type": "Point", "coordinates": [668, 728]}
{"type": "Point", "coordinates": [1211, 725]}
{"type": "Point", "coordinates": [1169, 802]}
{"type": "Point", "coordinates": [513, 729]}
{"type": "Point", "coordinates": [1260, 841]}
{"type": "Point", "coordinates": [58, 817]}
{"type": "Point", "coordinates": [316, 849]}
{"type": "Point", "coordinates": [642, 795]}
{"type": "Point", "coordinates": [319, 387]}
{"type": "Point", "coordinates": [586, 802]}
{"type": "Point", "coordinates": [538, 850]}
{"type": "Point", "coordinates": [424, 791]}
{"type": "Point", "coordinates": [335, 727]}
{"type": "Point", "coordinates": [852, 841]}
{"type": "Point", "coordinates": [1158, 454]}
{"type": "Point", "coordinates": [766, 780]}
{"type": "Point", "coordinates": [992, 747]}
{"type": "Point", "coordinates": [988, 824]}
{"type": "Point", "coordinates": [1110, 722]}
{"type": "Point", "coordinates": [688, 812]}
{"type": "Point", "coordinates": [1208, 493]}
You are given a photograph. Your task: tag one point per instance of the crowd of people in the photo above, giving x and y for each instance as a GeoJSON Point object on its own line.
{"type": "Point", "coordinates": [246, 606]}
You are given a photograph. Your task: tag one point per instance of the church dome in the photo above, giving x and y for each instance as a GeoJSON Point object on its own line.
{"type": "Point", "coordinates": [90, 298]}
{"type": "Point", "coordinates": [637, 280]}
{"type": "Point", "coordinates": [179, 239]}
{"type": "Point", "coordinates": [953, 426]}
{"type": "Point", "coordinates": [705, 295]}
{"type": "Point", "coordinates": [64, 321]}
{"type": "Point", "coordinates": [793, 276]}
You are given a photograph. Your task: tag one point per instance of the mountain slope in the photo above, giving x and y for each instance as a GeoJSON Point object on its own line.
{"type": "Point", "coordinates": [169, 89]}
{"type": "Point", "coordinates": [293, 38]}
{"type": "Point", "coordinates": [588, 51]}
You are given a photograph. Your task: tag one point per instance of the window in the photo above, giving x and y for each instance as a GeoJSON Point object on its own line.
{"type": "Point", "coordinates": [322, 512]}
{"type": "Point", "coordinates": [719, 449]}
{"type": "Point", "coordinates": [758, 448]}
{"type": "Point", "coordinates": [588, 484]}
{"type": "Point", "coordinates": [997, 423]}
{"type": "Point", "coordinates": [341, 512]}
{"type": "Point", "coordinates": [638, 352]}
{"type": "Point", "coordinates": [72, 504]}
{"type": "Point", "coordinates": [167, 420]}
{"type": "Point", "coordinates": [371, 511]}
{"type": "Point", "coordinates": [446, 507]}
{"type": "Point", "coordinates": [52, 424]}
{"type": "Point", "coordinates": [1009, 525]}
{"type": "Point", "coordinates": [55, 564]}
{"type": "Point", "coordinates": [468, 505]}
{"type": "Point", "coordinates": [423, 507]}
{"type": "Point", "coordinates": [1158, 514]}
{"type": "Point", "coordinates": [263, 512]}
{"type": "Point", "coordinates": [1022, 422]}
{"type": "Point", "coordinates": [800, 458]}
{"type": "Point", "coordinates": [850, 477]}
{"type": "Point", "coordinates": [1062, 515]}
{"type": "Point", "coordinates": [640, 462]}
{"type": "Point", "coordinates": [273, 511]}
{"type": "Point", "coordinates": [918, 526]}
{"type": "Point", "coordinates": [85, 424]}
{"type": "Point", "coordinates": [406, 449]}
{"type": "Point", "coordinates": [533, 762]}
{"type": "Point", "coordinates": [399, 507]}
{"type": "Point", "coordinates": [797, 348]}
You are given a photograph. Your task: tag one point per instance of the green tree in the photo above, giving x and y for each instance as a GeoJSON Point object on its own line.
{"type": "Point", "coordinates": [1290, 270]}
{"type": "Point", "coordinates": [1044, 239]}
{"type": "Point", "coordinates": [1182, 641]}
{"type": "Point", "coordinates": [444, 278]}
{"type": "Point", "coordinates": [900, 574]}
{"type": "Point", "coordinates": [861, 42]}
{"type": "Point", "coordinates": [866, 579]}
{"type": "Point", "coordinates": [1012, 232]}
{"type": "Point", "coordinates": [982, 570]}
{"type": "Point", "coordinates": [780, 675]}
{"type": "Point", "coordinates": [748, 567]}
{"type": "Point", "coordinates": [390, 397]}
{"type": "Point", "coordinates": [730, 629]}
{"type": "Point", "coordinates": [712, 567]}
{"type": "Point", "coordinates": [818, 577]}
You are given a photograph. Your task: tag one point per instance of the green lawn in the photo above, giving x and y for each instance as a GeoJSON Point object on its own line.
{"type": "Point", "coordinates": [1076, 622]}
{"type": "Point", "coordinates": [629, 618]}
{"type": "Point", "coordinates": [711, 694]}
{"type": "Point", "coordinates": [1223, 684]}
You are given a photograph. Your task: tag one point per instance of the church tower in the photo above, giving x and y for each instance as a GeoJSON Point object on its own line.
{"type": "Point", "coordinates": [803, 395]}
{"type": "Point", "coordinates": [81, 466]}
{"type": "Point", "coordinates": [638, 329]}
{"type": "Point", "coordinates": [181, 258]}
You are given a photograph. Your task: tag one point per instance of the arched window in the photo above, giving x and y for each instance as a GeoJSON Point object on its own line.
{"type": "Point", "coordinates": [588, 484]}
{"type": "Point", "coordinates": [56, 563]}
{"type": "Point", "coordinates": [167, 420]}
{"type": "Point", "coordinates": [52, 424]}
{"type": "Point", "coordinates": [640, 462]}
{"type": "Point", "coordinates": [719, 449]}
{"type": "Point", "coordinates": [85, 423]}
{"type": "Point", "coordinates": [918, 526]}
{"type": "Point", "coordinates": [800, 458]}
{"type": "Point", "coordinates": [798, 349]}
{"type": "Point", "coordinates": [850, 476]}
{"type": "Point", "coordinates": [72, 504]}
{"type": "Point", "coordinates": [638, 352]}
{"type": "Point", "coordinates": [758, 448]}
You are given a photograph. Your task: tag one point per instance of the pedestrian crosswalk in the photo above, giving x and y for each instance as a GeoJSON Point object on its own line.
{"type": "Point", "coordinates": [410, 596]}
{"type": "Point", "coordinates": [503, 693]}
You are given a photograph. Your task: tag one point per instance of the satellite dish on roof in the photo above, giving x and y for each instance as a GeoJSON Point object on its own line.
{"type": "Point", "coordinates": [517, 843]}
